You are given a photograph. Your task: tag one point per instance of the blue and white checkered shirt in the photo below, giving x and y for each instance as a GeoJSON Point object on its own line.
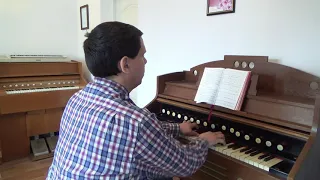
{"type": "Point", "coordinates": [104, 135]}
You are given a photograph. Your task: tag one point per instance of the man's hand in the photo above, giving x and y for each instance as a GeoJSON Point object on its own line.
{"type": "Point", "coordinates": [186, 129]}
{"type": "Point", "coordinates": [213, 137]}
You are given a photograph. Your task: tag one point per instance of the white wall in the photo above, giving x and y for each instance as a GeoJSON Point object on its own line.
{"type": "Point", "coordinates": [38, 27]}
{"type": "Point", "coordinates": [46, 27]}
{"type": "Point", "coordinates": [95, 16]}
{"type": "Point", "coordinates": [107, 10]}
{"type": "Point", "coordinates": [178, 35]}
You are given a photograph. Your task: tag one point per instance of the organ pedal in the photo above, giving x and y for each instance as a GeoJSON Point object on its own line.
{"type": "Point", "coordinates": [43, 146]}
{"type": "Point", "coordinates": [39, 146]}
{"type": "Point", "coordinates": [52, 142]}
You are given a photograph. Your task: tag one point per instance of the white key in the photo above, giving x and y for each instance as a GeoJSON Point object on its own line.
{"type": "Point", "coordinates": [246, 158]}
{"type": "Point", "coordinates": [222, 148]}
{"type": "Point", "coordinates": [236, 154]}
{"type": "Point", "coordinates": [254, 158]}
{"type": "Point", "coordinates": [257, 162]}
{"type": "Point", "coordinates": [228, 152]}
{"type": "Point", "coordinates": [243, 156]}
{"type": "Point", "coordinates": [266, 165]}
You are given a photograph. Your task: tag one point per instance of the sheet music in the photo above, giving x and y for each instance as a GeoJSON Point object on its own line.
{"type": "Point", "coordinates": [209, 84]}
{"type": "Point", "coordinates": [230, 88]}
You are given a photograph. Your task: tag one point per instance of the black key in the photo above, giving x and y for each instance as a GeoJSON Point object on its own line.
{"type": "Point", "coordinates": [245, 149]}
{"type": "Point", "coordinates": [250, 151]}
{"type": "Point", "coordinates": [269, 158]}
{"type": "Point", "coordinates": [255, 153]}
{"type": "Point", "coordinates": [231, 145]}
{"type": "Point", "coordinates": [236, 147]}
{"type": "Point", "coordinates": [263, 156]}
{"type": "Point", "coordinates": [228, 138]}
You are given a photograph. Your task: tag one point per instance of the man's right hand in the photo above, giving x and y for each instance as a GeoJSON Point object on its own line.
{"type": "Point", "coordinates": [213, 137]}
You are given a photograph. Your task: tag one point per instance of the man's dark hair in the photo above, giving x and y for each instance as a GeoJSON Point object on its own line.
{"type": "Point", "coordinates": [107, 44]}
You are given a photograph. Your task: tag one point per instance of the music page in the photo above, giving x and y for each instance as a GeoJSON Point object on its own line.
{"type": "Point", "coordinates": [231, 85]}
{"type": "Point", "coordinates": [209, 84]}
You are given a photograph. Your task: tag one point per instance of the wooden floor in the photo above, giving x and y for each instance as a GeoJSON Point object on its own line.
{"type": "Point", "coordinates": [25, 169]}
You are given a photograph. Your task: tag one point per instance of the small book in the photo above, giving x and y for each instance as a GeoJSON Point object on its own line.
{"type": "Point", "coordinates": [223, 87]}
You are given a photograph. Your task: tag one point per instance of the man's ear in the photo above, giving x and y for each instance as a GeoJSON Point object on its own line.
{"type": "Point", "coordinates": [124, 64]}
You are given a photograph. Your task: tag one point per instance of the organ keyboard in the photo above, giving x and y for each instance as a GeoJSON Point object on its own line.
{"type": "Point", "coordinates": [249, 155]}
{"type": "Point", "coordinates": [32, 100]}
{"type": "Point", "coordinates": [19, 91]}
{"type": "Point", "coordinates": [273, 136]}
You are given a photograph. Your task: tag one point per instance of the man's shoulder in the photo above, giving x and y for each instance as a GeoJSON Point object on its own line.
{"type": "Point", "coordinates": [134, 112]}
{"type": "Point", "coordinates": [120, 108]}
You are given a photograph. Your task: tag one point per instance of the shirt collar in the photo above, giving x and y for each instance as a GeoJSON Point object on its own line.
{"type": "Point", "coordinates": [114, 86]}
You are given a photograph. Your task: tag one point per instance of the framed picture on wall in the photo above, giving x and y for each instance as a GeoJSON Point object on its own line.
{"type": "Point", "coordinates": [84, 17]}
{"type": "Point", "coordinates": [215, 7]}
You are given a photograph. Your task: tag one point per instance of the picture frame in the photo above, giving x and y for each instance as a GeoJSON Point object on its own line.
{"type": "Point", "coordinates": [84, 17]}
{"type": "Point", "coordinates": [215, 7]}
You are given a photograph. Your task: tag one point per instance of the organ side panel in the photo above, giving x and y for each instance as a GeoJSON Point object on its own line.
{"type": "Point", "coordinates": [13, 137]}
{"type": "Point", "coordinates": [0, 150]}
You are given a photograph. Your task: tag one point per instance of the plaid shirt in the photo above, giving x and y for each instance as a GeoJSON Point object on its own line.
{"type": "Point", "coordinates": [104, 135]}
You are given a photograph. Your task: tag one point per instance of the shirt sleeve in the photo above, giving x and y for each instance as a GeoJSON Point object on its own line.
{"type": "Point", "coordinates": [159, 154]}
{"type": "Point", "coordinates": [171, 128]}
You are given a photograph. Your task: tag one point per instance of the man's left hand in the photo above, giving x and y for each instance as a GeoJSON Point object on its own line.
{"type": "Point", "coordinates": [186, 129]}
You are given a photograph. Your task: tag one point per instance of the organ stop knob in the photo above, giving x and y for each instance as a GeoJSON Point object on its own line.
{"type": "Point", "coordinates": [224, 127]}
{"type": "Point", "coordinates": [268, 143]}
{"type": "Point", "coordinates": [280, 147]}
{"type": "Point", "coordinates": [247, 137]}
{"type": "Point", "coordinates": [258, 140]}
{"type": "Point", "coordinates": [205, 124]}
{"type": "Point", "coordinates": [231, 130]}
{"type": "Point", "coordinates": [238, 134]}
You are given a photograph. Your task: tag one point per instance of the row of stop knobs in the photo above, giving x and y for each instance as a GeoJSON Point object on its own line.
{"type": "Point", "coordinates": [223, 128]}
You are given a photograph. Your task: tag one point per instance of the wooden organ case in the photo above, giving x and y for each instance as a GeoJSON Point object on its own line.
{"type": "Point", "coordinates": [273, 136]}
{"type": "Point", "coordinates": [32, 99]}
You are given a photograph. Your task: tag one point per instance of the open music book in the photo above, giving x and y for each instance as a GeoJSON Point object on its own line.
{"type": "Point", "coordinates": [223, 87]}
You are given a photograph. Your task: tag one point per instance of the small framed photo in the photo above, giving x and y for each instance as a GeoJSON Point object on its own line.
{"type": "Point", "coordinates": [84, 17]}
{"type": "Point", "coordinates": [215, 7]}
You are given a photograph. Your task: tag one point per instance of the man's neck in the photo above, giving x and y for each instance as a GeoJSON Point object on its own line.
{"type": "Point", "coordinates": [121, 81]}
